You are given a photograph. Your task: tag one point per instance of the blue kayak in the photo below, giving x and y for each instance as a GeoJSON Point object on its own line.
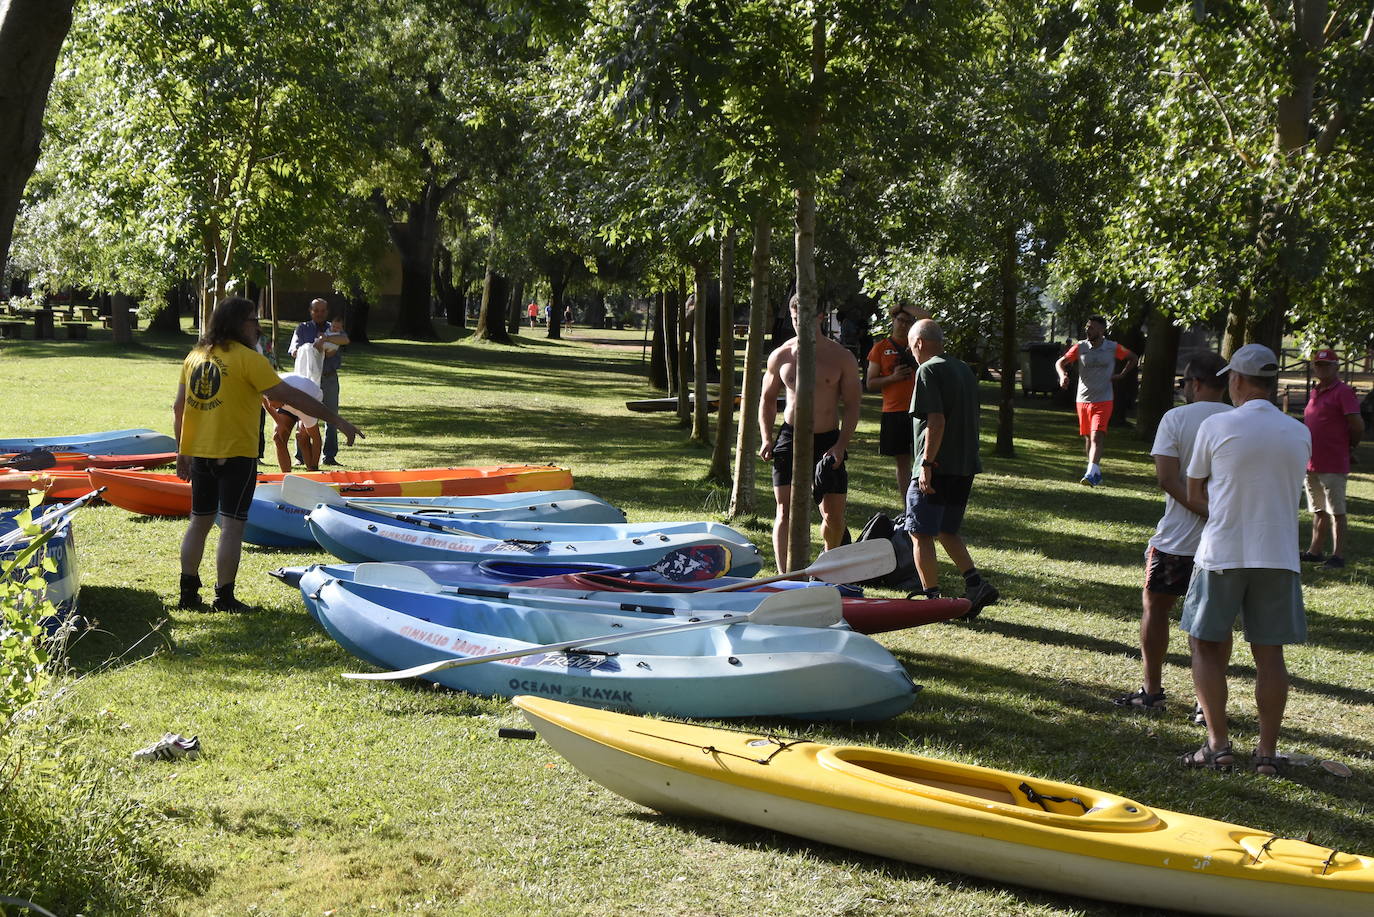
{"type": "Point", "coordinates": [63, 587]}
{"type": "Point", "coordinates": [355, 537]}
{"type": "Point", "coordinates": [739, 670]}
{"type": "Point", "coordinates": [114, 442]}
{"type": "Point", "coordinates": [274, 523]}
{"type": "Point", "coordinates": [510, 572]}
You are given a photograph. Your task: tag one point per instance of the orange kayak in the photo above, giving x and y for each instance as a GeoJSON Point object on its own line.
{"type": "Point", "coordinates": [154, 494]}
{"type": "Point", "coordinates": [57, 485]}
{"type": "Point", "coordinates": [80, 461]}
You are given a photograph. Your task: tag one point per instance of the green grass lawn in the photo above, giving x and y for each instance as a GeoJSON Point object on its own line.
{"type": "Point", "coordinates": [320, 796]}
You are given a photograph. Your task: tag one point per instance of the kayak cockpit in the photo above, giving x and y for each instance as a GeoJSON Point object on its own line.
{"type": "Point", "coordinates": [995, 792]}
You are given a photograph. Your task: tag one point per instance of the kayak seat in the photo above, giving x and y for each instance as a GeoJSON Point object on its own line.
{"type": "Point", "coordinates": [992, 791]}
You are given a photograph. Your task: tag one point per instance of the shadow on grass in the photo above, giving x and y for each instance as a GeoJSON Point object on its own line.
{"type": "Point", "coordinates": [128, 625]}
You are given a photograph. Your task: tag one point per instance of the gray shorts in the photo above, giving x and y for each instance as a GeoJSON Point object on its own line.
{"type": "Point", "coordinates": [1268, 602]}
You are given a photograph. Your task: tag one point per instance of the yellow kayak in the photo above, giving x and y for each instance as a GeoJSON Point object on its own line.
{"type": "Point", "coordinates": [975, 820]}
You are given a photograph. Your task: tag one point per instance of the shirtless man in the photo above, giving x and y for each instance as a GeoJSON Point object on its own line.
{"type": "Point", "coordinates": [837, 381]}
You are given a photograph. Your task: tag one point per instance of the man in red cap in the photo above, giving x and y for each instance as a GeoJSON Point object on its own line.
{"type": "Point", "coordinates": [1333, 416]}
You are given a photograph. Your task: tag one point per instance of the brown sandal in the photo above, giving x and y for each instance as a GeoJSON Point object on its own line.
{"type": "Point", "coordinates": [1210, 759]}
{"type": "Point", "coordinates": [1265, 765]}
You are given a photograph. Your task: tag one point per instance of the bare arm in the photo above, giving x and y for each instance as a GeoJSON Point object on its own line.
{"type": "Point", "coordinates": [1170, 478]}
{"type": "Point", "coordinates": [1127, 365]}
{"type": "Point", "coordinates": [178, 410]}
{"type": "Point", "coordinates": [1197, 495]}
{"type": "Point", "coordinates": [935, 435]}
{"type": "Point", "coordinates": [877, 383]}
{"type": "Point", "coordinates": [850, 394]}
{"type": "Point", "coordinates": [1355, 424]}
{"type": "Point", "coordinates": [768, 406]}
{"type": "Point", "coordinates": [1061, 368]}
{"type": "Point", "coordinates": [287, 394]}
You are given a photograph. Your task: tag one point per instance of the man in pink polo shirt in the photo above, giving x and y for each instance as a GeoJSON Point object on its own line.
{"type": "Point", "coordinates": [1333, 416]}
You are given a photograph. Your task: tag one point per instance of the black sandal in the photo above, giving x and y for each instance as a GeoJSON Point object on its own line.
{"type": "Point", "coordinates": [1258, 762]}
{"type": "Point", "coordinates": [1142, 700]}
{"type": "Point", "coordinates": [1210, 759]}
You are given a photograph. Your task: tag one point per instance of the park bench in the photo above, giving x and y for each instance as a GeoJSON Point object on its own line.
{"type": "Point", "coordinates": [13, 330]}
{"type": "Point", "coordinates": [106, 322]}
{"type": "Point", "coordinates": [76, 331]}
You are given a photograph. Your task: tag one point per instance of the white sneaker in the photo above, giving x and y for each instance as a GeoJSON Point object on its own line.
{"type": "Point", "coordinates": [170, 747]}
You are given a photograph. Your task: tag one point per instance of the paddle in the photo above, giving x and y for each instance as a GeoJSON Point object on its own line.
{"type": "Point", "coordinates": [57, 512]}
{"type": "Point", "coordinates": [399, 576]}
{"type": "Point", "coordinates": [33, 460]}
{"type": "Point", "coordinates": [849, 563]}
{"type": "Point", "coordinates": [818, 607]}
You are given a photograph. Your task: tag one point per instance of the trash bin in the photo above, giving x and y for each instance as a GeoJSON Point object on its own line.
{"type": "Point", "coordinates": [1037, 368]}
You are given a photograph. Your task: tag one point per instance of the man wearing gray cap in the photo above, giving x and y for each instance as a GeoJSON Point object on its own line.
{"type": "Point", "coordinates": [1246, 472]}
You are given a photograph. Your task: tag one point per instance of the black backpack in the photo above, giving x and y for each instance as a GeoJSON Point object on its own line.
{"type": "Point", "coordinates": [904, 576]}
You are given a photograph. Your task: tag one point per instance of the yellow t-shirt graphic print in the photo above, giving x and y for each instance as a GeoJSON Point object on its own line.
{"type": "Point", "coordinates": [223, 389]}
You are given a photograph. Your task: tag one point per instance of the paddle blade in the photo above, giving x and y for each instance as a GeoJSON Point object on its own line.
{"type": "Point", "coordinates": [395, 576]}
{"type": "Point", "coordinates": [694, 563]}
{"type": "Point", "coordinates": [818, 606]}
{"type": "Point", "coordinates": [307, 494]}
{"type": "Point", "coordinates": [854, 563]}
{"type": "Point", "coordinates": [34, 460]}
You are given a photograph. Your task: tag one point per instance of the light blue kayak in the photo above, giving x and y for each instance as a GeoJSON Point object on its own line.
{"type": "Point", "coordinates": [813, 673]}
{"type": "Point", "coordinates": [274, 523]}
{"type": "Point", "coordinates": [114, 442]}
{"type": "Point", "coordinates": [63, 587]}
{"type": "Point", "coordinates": [641, 604]}
{"type": "Point", "coordinates": [356, 537]}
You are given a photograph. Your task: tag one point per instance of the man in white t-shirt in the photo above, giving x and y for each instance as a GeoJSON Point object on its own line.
{"type": "Point", "coordinates": [1246, 473]}
{"type": "Point", "coordinates": [1169, 556]}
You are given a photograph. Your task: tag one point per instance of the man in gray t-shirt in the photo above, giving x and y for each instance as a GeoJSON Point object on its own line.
{"type": "Point", "coordinates": [1096, 358]}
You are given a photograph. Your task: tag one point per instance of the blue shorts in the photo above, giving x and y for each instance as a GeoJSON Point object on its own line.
{"type": "Point", "coordinates": [1268, 602]}
{"type": "Point", "coordinates": [941, 512]}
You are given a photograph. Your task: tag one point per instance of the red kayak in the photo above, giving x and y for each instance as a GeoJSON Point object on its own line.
{"type": "Point", "coordinates": [865, 615]}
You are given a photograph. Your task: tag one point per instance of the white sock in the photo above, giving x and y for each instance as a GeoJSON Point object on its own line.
{"type": "Point", "coordinates": [1093, 469]}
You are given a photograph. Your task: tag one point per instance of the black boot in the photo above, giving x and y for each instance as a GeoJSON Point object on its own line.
{"type": "Point", "coordinates": [225, 601]}
{"type": "Point", "coordinates": [190, 593]}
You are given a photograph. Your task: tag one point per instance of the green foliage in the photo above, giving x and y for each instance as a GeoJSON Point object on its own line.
{"type": "Point", "coordinates": [24, 655]}
{"type": "Point", "coordinates": [69, 840]}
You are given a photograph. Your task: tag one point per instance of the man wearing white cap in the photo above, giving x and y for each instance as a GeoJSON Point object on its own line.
{"type": "Point", "coordinates": [1332, 415]}
{"type": "Point", "coordinates": [1245, 473]}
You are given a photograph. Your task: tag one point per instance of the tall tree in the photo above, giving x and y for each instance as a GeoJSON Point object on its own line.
{"type": "Point", "coordinates": [31, 36]}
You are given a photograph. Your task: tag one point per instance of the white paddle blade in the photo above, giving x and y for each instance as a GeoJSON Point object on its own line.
{"type": "Point", "coordinates": [854, 563]}
{"type": "Point", "coordinates": [814, 607]}
{"type": "Point", "coordinates": [395, 576]}
{"type": "Point", "coordinates": [307, 494]}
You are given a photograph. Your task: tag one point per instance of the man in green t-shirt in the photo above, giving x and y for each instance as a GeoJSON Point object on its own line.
{"type": "Point", "coordinates": [944, 411]}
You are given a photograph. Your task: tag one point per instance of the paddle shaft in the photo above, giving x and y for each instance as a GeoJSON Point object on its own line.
{"type": "Point", "coordinates": [56, 512]}
{"type": "Point", "coordinates": [848, 563]}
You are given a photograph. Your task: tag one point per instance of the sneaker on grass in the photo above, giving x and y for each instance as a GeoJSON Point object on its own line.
{"type": "Point", "coordinates": [1092, 478]}
{"type": "Point", "coordinates": [979, 597]}
{"type": "Point", "coordinates": [171, 746]}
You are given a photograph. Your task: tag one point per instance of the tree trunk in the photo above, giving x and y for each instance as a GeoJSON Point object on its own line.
{"type": "Point", "coordinates": [415, 241]}
{"type": "Point", "coordinates": [1237, 323]}
{"type": "Point", "coordinates": [357, 311]}
{"type": "Point", "coordinates": [491, 321]}
{"type": "Point", "coordinates": [725, 414]}
{"type": "Point", "coordinates": [742, 497]}
{"type": "Point", "coordinates": [684, 416]}
{"type": "Point", "coordinates": [658, 355]}
{"type": "Point", "coordinates": [168, 318]}
{"type": "Point", "coordinates": [31, 36]}
{"type": "Point", "coordinates": [120, 332]}
{"type": "Point", "coordinates": [558, 283]}
{"type": "Point", "coordinates": [803, 424]}
{"type": "Point", "coordinates": [700, 372]}
{"type": "Point", "coordinates": [1157, 373]}
{"type": "Point", "coordinates": [448, 288]}
{"type": "Point", "coordinates": [516, 299]}
{"type": "Point", "coordinates": [1006, 406]}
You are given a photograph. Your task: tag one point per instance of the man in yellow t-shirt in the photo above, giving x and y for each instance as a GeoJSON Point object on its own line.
{"type": "Point", "coordinates": [216, 421]}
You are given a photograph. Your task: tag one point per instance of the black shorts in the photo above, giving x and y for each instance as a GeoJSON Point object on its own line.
{"type": "Point", "coordinates": [223, 486]}
{"type": "Point", "coordinates": [1167, 574]}
{"type": "Point", "coordinates": [836, 479]}
{"type": "Point", "coordinates": [894, 434]}
{"type": "Point", "coordinates": [941, 512]}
